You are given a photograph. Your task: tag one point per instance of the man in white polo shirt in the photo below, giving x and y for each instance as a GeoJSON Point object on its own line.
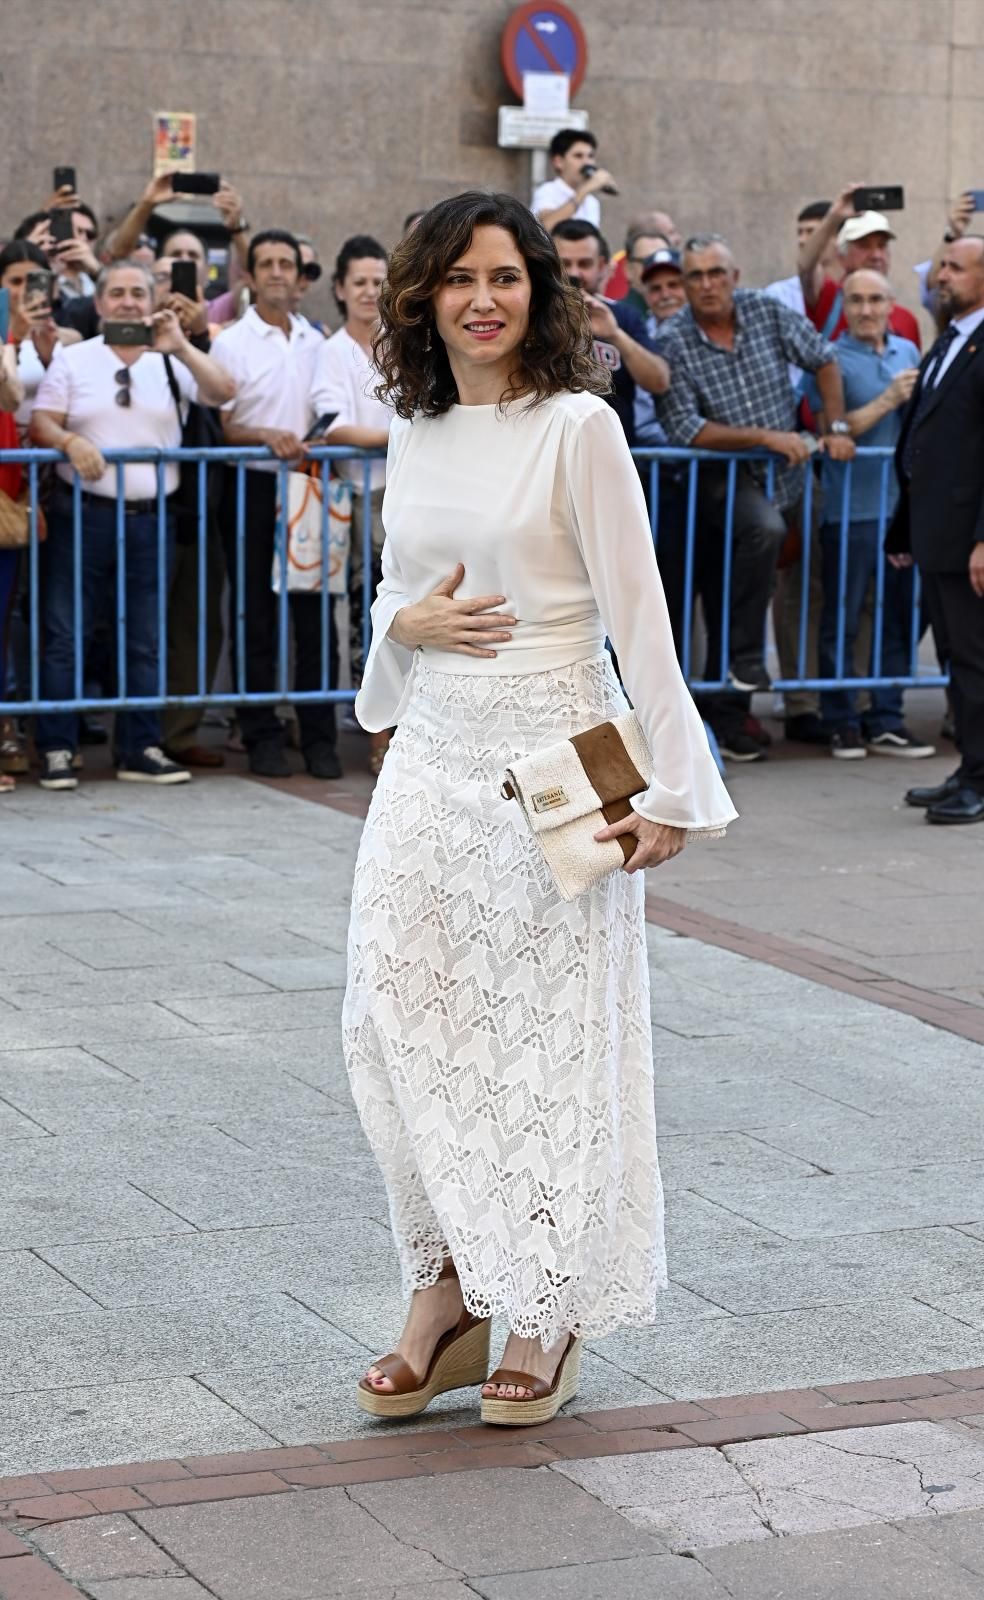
{"type": "Point", "coordinates": [570, 193]}
{"type": "Point", "coordinates": [99, 396]}
{"type": "Point", "coordinates": [271, 354]}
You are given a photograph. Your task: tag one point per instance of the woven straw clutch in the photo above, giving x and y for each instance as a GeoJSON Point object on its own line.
{"type": "Point", "coordinates": [570, 791]}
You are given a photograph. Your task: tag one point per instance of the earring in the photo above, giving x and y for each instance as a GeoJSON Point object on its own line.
{"type": "Point", "coordinates": [427, 341]}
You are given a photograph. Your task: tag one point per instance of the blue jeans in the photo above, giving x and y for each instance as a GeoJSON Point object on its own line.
{"type": "Point", "coordinates": [839, 706]}
{"type": "Point", "coordinates": [135, 730]}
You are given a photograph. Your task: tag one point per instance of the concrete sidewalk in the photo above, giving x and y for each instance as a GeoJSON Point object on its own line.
{"type": "Point", "coordinates": [194, 1253]}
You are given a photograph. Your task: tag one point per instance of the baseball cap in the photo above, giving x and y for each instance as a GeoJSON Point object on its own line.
{"type": "Point", "coordinates": [660, 258]}
{"type": "Point", "coordinates": [860, 226]}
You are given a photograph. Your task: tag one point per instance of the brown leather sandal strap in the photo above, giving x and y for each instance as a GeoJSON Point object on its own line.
{"type": "Point", "coordinates": [522, 1380]}
{"type": "Point", "coordinates": [401, 1376]}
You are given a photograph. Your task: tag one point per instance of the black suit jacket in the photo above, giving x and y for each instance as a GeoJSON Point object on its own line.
{"type": "Point", "coordinates": [940, 514]}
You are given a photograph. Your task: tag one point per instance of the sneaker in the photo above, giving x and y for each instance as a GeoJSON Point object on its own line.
{"type": "Point", "coordinates": [900, 742]}
{"type": "Point", "coordinates": [322, 761]}
{"type": "Point", "coordinates": [57, 771]}
{"type": "Point", "coordinates": [748, 676]}
{"type": "Point", "coordinates": [847, 745]}
{"type": "Point", "coordinates": [806, 729]}
{"type": "Point", "coordinates": [151, 766]}
{"type": "Point", "coordinates": [268, 759]}
{"type": "Point", "coordinates": [741, 747]}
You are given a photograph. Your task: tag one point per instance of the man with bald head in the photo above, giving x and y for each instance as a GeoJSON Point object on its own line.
{"type": "Point", "coordinates": [939, 522]}
{"type": "Point", "coordinates": [879, 370]}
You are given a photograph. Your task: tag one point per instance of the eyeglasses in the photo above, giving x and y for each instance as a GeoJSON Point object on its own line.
{"type": "Point", "coordinates": [123, 392]}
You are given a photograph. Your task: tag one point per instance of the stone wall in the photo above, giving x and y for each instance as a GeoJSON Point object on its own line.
{"type": "Point", "coordinates": [336, 117]}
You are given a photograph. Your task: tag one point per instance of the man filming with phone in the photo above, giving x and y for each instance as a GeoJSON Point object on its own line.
{"type": "Point", "coordinates": [864, 244]}
{"type": "Point", "coordinates": [110, 392]}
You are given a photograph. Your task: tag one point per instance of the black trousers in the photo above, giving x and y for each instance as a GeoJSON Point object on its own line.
{"type": "Point", "coordinates": [957, 615]}
{"type": "Point", "coordinates": [316, 719]}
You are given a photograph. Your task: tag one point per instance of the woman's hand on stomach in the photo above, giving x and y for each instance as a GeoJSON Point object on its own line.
{"type": "Point", "coordinates": [439, 622]}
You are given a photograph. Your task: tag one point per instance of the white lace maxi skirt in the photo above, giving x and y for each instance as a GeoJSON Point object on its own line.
{"type": "Point", "coordinates": [498, 1040]}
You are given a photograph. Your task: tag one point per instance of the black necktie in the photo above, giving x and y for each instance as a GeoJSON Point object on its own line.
{"type": "Point", "coordinates": [937, 356]}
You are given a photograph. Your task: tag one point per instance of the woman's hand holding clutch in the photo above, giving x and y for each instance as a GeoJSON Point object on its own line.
{"type": "Point", "coordinates": [439, 622]}
{"type": "Point", "coordinates": [657, 841]}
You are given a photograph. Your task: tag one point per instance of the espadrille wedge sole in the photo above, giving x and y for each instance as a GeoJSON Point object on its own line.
{"type": "Point", "coordinates": [546, 1401]}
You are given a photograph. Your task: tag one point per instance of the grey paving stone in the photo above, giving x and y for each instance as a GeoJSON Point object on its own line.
{"type": "Point", "coordinates": [768, 1274]}
{"type": "Point", "coordinates": [143, 948]}
{"type": "Point", "coordinates": [100, 1424]}
{"type": "Point", "coordinates": [865, 1202]}
{"type": "Point", "coordinates": [859, 1143]}
{"type": "Point", "coordinates": [257, 1013]}
{"type": "Point", "coordinates": [309, 1260]}
{"type": "Point", "coordinates": [81, 1209]}
{"type": "Point", "coordinates": [685, 1498]}
{"type": "Point", "coordinates": [42, 991]}
{"type": "Point", "coordinates": [847, 1477]}
{"type": "Point", "coordinates": [253, 1194]}
{"type": "Point", "coordinates": [459, 1519]}
{"type": "Point", "coordinates": [637, 1578]}
{"type": "Point", "coordinates": [107, 1547]}
{"type": "Point", "coordinates": [81, 1025]}
{"type": "Point", "coordinates": [28, 957]}
{"type": "Point", "coordinates": [285, 1547]}
{"type": "Point", "coordinates": [334, 1134]}
{"type": "Point", "coordinates": [160, 1341]}
{"type": "Point", "coordinates": [129, 1149]}
{"type": "Point", "coordinates": [708, 1161]}
{"type": "Point", "coordinates": [795, 1349]}
{"type": "Point", "coordinates": [315, 1052]}
{"type": "Point", "coordinates": [165, 1588]}
{"type": "Point", "coordinates": [15, 1125]}
{"type": "Point", "coordinates": [967, 1307]}
{"type": "Point", "coordinates": [28, 1287]}
{"type": "Point", "coordinates": [693, 1223]}
{"type": "Point", "coordinates": [878, 1563]}
{"type": "Point", "coordinates": [960, 1537]}
{"type": "Point", "coordinates": [299, 972]}
{"type": "Point", "coordinates": [901, 1085]}
{"type": "Point", "coordinates": [727, 1106]}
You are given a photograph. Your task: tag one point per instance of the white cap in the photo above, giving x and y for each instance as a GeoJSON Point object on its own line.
{"type": "Point", "coordinates": [866, 222]}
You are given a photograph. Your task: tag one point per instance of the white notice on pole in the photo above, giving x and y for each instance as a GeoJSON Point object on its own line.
{"type": "Point", "coordinates": [520, 129]}
{"type": "Point", "coordinates": [546, 92]}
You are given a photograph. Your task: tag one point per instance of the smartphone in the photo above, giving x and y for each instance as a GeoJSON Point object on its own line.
{"type": "Point", "coordinates": [37, 293]}
{"type": "Point", "coordinates": [320, 428]}
{"type": "Point", "coordinates": [887, 197]}
{"type": "Point", "coordinates": [978, 197]}
{"type": "Point", "coordinates": [61, 225]}
{"type": "Point", "coordinates": [64, 178]}
{"type": "Point", "coordinates": [184, 279]}
{"type": "Point", "coordinates": [128, 333]}
{"type": "Point", "coordinates": [196, 182]}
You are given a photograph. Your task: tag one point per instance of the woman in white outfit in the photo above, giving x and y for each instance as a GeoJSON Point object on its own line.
{"type": "Point", "coordinates": [498, 1039]}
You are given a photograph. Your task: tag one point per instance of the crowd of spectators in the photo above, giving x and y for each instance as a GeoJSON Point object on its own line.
{"type": "Point", "coordinates": [799, 372]}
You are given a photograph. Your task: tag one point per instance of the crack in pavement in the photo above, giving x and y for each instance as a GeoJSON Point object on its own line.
{"type": "Point", "coordinates": [758, 1505]}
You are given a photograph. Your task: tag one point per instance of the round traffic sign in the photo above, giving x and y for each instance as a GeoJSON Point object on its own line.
{"type": "Point", "coordinates": [545, 37]}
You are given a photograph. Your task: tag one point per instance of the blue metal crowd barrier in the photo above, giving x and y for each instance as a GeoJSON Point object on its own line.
{"type": "Point", "coordinates": [28, 697]}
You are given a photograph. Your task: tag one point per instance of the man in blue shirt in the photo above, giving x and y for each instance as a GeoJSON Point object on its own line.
{"type": "Point", "coordinates": [879, 370]}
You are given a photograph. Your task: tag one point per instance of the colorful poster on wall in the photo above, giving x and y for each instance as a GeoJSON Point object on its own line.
{"type": "Point", "coordinates": [174, 141]}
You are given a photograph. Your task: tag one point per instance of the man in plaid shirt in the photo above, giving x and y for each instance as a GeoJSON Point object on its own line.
{"type": "Point", "coordinates": [728, 352]}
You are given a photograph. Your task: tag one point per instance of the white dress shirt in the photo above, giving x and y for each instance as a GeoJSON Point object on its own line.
{"type": "Point", "coordinates": [543, 505]}
{"type": "Point", "coordinates": [274, 373]}
{"type": "Point", "coordinates": [81, 384]}
{"type": "Point", "coordinates": [965, 326]}
{"type": "Point", "coordinates": [553, 194]}
{"type": "Point", "coordinates": [344, 380]}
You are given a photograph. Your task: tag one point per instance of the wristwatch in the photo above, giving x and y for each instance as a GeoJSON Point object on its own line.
{"type": "Point", "coordinates": [241, 226]}
{"type": "Point", "coordinates": [841, 428]}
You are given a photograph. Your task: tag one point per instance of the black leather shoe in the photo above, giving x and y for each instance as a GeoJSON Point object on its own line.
{"type": "Point", "coordinates": [268, 759]}
{"type": "Point", "coordinates": [967, 805]}
{"type": "Point", "coordinates": [322, 761]}
{"type": "Point", "coordinates": [807, 729]}
{"type": "Point", "coordinates": [935, 796]}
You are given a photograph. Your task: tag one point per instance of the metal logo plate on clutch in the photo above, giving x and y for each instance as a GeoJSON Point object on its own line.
{"type": "Point", "coordinates": [548, 799]}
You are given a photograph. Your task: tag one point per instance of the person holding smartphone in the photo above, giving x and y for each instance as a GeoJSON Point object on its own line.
{"type": "Point", "coordinates": [113, 392]}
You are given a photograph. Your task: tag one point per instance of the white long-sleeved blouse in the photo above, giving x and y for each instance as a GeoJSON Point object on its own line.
{"type": "Point", "coordinates": [544, 505]}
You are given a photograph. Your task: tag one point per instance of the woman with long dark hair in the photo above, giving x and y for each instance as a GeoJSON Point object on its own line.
{"type": "Point", "coordinates": [497, 1037]}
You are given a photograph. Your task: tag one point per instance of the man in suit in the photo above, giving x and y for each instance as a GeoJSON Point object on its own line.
{"type": "Point", "coordinates": [939, 523]}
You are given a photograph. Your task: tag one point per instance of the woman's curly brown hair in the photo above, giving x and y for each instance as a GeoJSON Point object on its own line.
{"type": "Point", "coordinates": [557, 353]}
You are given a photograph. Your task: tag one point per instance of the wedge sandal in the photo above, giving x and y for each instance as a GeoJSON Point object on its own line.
{"type": "Point", "coordinates": [547, 1398]}
{"type": "Point", "coordinates": [460, 1360]}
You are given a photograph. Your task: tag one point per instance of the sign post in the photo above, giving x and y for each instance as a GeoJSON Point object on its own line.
{"type": "Point", "coordinates": [540, 40]}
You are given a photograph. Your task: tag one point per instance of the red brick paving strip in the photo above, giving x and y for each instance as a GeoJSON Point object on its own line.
{"type": "Point", "coordinates": [33, 1580]}
{"type": "Point", "coordinates": [668, 1425]}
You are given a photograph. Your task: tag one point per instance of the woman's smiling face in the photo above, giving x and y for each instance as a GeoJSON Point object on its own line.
{"type": "Point", "coordinates": [482, 309]}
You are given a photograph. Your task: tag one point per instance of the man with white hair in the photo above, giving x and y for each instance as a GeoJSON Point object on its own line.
{"type": "Point", "coordinates": [879, 370]}
{"type": "Point", "coordinates": [864, 240]}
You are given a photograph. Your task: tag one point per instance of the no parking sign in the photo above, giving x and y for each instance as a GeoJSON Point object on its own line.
{"type": "Point", "coordinates": [543, 38]}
